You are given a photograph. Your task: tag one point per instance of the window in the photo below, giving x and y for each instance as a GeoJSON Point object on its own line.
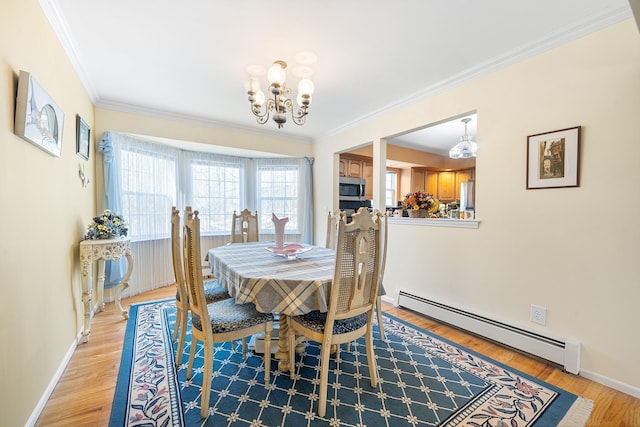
{"type": "Point", "coordinates": [148, 182]}
{"type": "Point", "coordinates": [154, 177]}
{"type": "Point", "coordinates": [216, 193]}
{"type": "Point", "coordinates": [390, 189]}
{"type": "Point", "coordinates": [278, 192]}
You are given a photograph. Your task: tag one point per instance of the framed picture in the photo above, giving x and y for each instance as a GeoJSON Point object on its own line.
{"type": "Point", "coordinates": [39, 120]}
{"type": "Point", "coordinates": [553, 159]}
{"type": "Point", "coordinates": [82, 138]}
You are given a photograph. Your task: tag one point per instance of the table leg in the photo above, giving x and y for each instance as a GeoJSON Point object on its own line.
{"type": "Point", "coordinates": [101, 267]}
{"type": "Point", "coordinates": [124, 284]}
{"type": "Point", "coordinates": [87, 299]}
{"type": "Point", "coordinates": [283, 344]}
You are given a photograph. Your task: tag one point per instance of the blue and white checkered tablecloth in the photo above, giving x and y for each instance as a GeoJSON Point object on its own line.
{"type": "Point", "coordinates": [251, 274]}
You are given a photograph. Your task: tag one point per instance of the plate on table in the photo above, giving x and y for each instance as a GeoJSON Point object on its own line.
{"type": "Point", "coordinates": [289, 250]}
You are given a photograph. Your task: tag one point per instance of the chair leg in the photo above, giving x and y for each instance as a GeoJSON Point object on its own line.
{"type": "Point", "coordinates": [324, 379]}
{"type": "Point", "coordinates": [192, 356]}
{"type": "Point", "coordinates": [267, 353]}
{"type": "Point", "coordinates": [207, 373]}
{"type": "Point", "coordinates": [176, 326]}
{"type": "Point", "coordinates": [379, 314]}
{"type": "Point", "coordinates": [181, 318]}
{"type": "Point", "coordinates": [371, 357]}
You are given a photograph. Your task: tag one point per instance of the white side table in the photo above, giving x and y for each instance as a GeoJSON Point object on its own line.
{"type": "Point", "coordinates": [101, 250]}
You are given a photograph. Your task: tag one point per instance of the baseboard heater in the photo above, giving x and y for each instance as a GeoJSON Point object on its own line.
{"type": "Point", "coordinates": [563, 352]}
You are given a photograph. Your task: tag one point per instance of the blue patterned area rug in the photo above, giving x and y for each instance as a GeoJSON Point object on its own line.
{"type": "Point", "coordinates": [424, 380]}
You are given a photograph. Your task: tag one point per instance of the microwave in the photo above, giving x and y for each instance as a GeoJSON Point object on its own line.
{"type": "Point", "coordinates": [352, 188]}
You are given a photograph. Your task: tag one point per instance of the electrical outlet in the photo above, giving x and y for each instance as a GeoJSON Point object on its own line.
{"type": "Point", "coordinates": [538, 314]}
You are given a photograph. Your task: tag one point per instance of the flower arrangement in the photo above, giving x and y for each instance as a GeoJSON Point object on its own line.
{"type": "Point", "coordinates": [107, 226]}
{"type": "Point", "coordinates": [418, 200]}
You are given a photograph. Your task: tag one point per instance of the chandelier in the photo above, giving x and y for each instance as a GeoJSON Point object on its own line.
{"type": "Point", "coordinates": [279, 104]}
{"type": "Point", "coordinates": [465, 148]}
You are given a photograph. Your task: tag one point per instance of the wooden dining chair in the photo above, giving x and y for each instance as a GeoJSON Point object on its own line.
{"type": "Point", "coordinates": [331, 241]}
{"type": "Point", "coordinates": [218, 321]}
{"type": "Point", "coordinates": [213, 291]}
{"type": "Point", "coordinates": [244, 227]}
{"type": "Point", "coordinates": [351, 301]}
{"type": "Point", "coordinates": [332, 228]}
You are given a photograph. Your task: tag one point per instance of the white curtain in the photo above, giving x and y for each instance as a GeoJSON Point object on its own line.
{"type": "Point", "coordinates": [148, 178]}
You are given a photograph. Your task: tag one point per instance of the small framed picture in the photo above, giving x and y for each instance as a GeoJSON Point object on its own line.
{"type": "Point", "coordinates": [82, 137]}
{"type": "Point", "coordinates": [553, 159]}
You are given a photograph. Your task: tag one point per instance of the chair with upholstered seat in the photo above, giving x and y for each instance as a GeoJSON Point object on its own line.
{"type": "Point", "coordinates": [220, 321]}
{"type": "Point", "coordinates": [244, 227]}
{"type": "Point", "coordinates": [331, 241]}
{"type": "Point", "coordinates": [212, 289]}
{"type": "Point", "coordinates": [332, 228]}
{"type": "Point", "coordinates": [352, 297]}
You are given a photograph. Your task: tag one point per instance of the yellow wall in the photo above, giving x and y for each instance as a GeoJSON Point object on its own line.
{"type": "Point", "coordinates": [45, 210]}
{"type": "Point", "coordinates": [560, 248]}
{"type": "Point", "coordinates": [572, 250]}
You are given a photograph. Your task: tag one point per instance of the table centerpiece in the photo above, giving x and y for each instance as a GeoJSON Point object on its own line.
{"type": "Point", "coordinates": [107, 225]}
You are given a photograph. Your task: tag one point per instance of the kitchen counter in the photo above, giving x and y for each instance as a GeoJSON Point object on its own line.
{"type": "Point", "coordinates": [436, 222]}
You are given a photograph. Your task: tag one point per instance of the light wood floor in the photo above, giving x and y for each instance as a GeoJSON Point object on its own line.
{"type": "Point", "coordinates": [84, 394]}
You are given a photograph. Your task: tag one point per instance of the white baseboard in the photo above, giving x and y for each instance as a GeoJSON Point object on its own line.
{"type": "Point", "coordinates": [35, 414]}
{"type": "Point", "coordinates": [389, 299]}
{"type": "Point", "coordinates": [585, 373]}
{"type": "Point", "coordinates": [610, 382]}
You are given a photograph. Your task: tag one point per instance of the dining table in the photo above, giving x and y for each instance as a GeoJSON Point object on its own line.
{"type": "Point", "coordinates": [276, 281]}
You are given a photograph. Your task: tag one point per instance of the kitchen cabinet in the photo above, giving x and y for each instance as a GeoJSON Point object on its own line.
{"type": "Point", "coordinates": [446, 186]}
{"type": "Point", "coordinates": [418, 179]}
{"type": "Point", "coordinates": [351, 167]}
{"type": "Point", "coordinates": [431, 184]}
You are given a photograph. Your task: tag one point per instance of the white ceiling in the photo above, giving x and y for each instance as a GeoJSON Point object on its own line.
{"type": "Point", "coordinates": [189, 59]}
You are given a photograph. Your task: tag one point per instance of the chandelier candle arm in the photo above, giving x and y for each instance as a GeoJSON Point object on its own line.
{"type": "Point", "coordinates": [279, 104]}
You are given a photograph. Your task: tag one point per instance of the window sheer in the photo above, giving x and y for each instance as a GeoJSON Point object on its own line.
{"type": "Point", "coordinates": [279, 184]}
{"type": "Point", "coordinates": [148, 178]}
{"type": "Point", "coordinates": [149, 189]}
{"type": "Point", "coordinates": [216, 188]}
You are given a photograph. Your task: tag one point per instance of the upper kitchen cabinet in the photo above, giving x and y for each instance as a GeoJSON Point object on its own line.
{"type": "Point", "coordinates": [351, 167]}
{"type": "Point", "coordinates": [444, 185]}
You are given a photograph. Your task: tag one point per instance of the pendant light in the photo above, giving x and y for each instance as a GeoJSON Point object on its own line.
{"type": "Point", "coordinates": [465, 148]}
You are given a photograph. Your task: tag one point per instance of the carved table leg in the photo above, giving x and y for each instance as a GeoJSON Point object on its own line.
{"type": "Point", "coordinates": [283, 344]}
{"type": "Point", "coordinates": [124, 284]}
{"type": "Point", "coordinates": [101, 268]}
{"type": "Point", "coordinates": [87, 299]}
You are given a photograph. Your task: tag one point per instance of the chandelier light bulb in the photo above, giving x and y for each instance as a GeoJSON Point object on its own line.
{"type": "Point", "coordinates": [252, 85]}
{"type": "Point", "coordinates": [305, 87]}
{"type": "Point", "coordinates": [260, 98]}
{"type": "Point", "coordinates": [276, 74]}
